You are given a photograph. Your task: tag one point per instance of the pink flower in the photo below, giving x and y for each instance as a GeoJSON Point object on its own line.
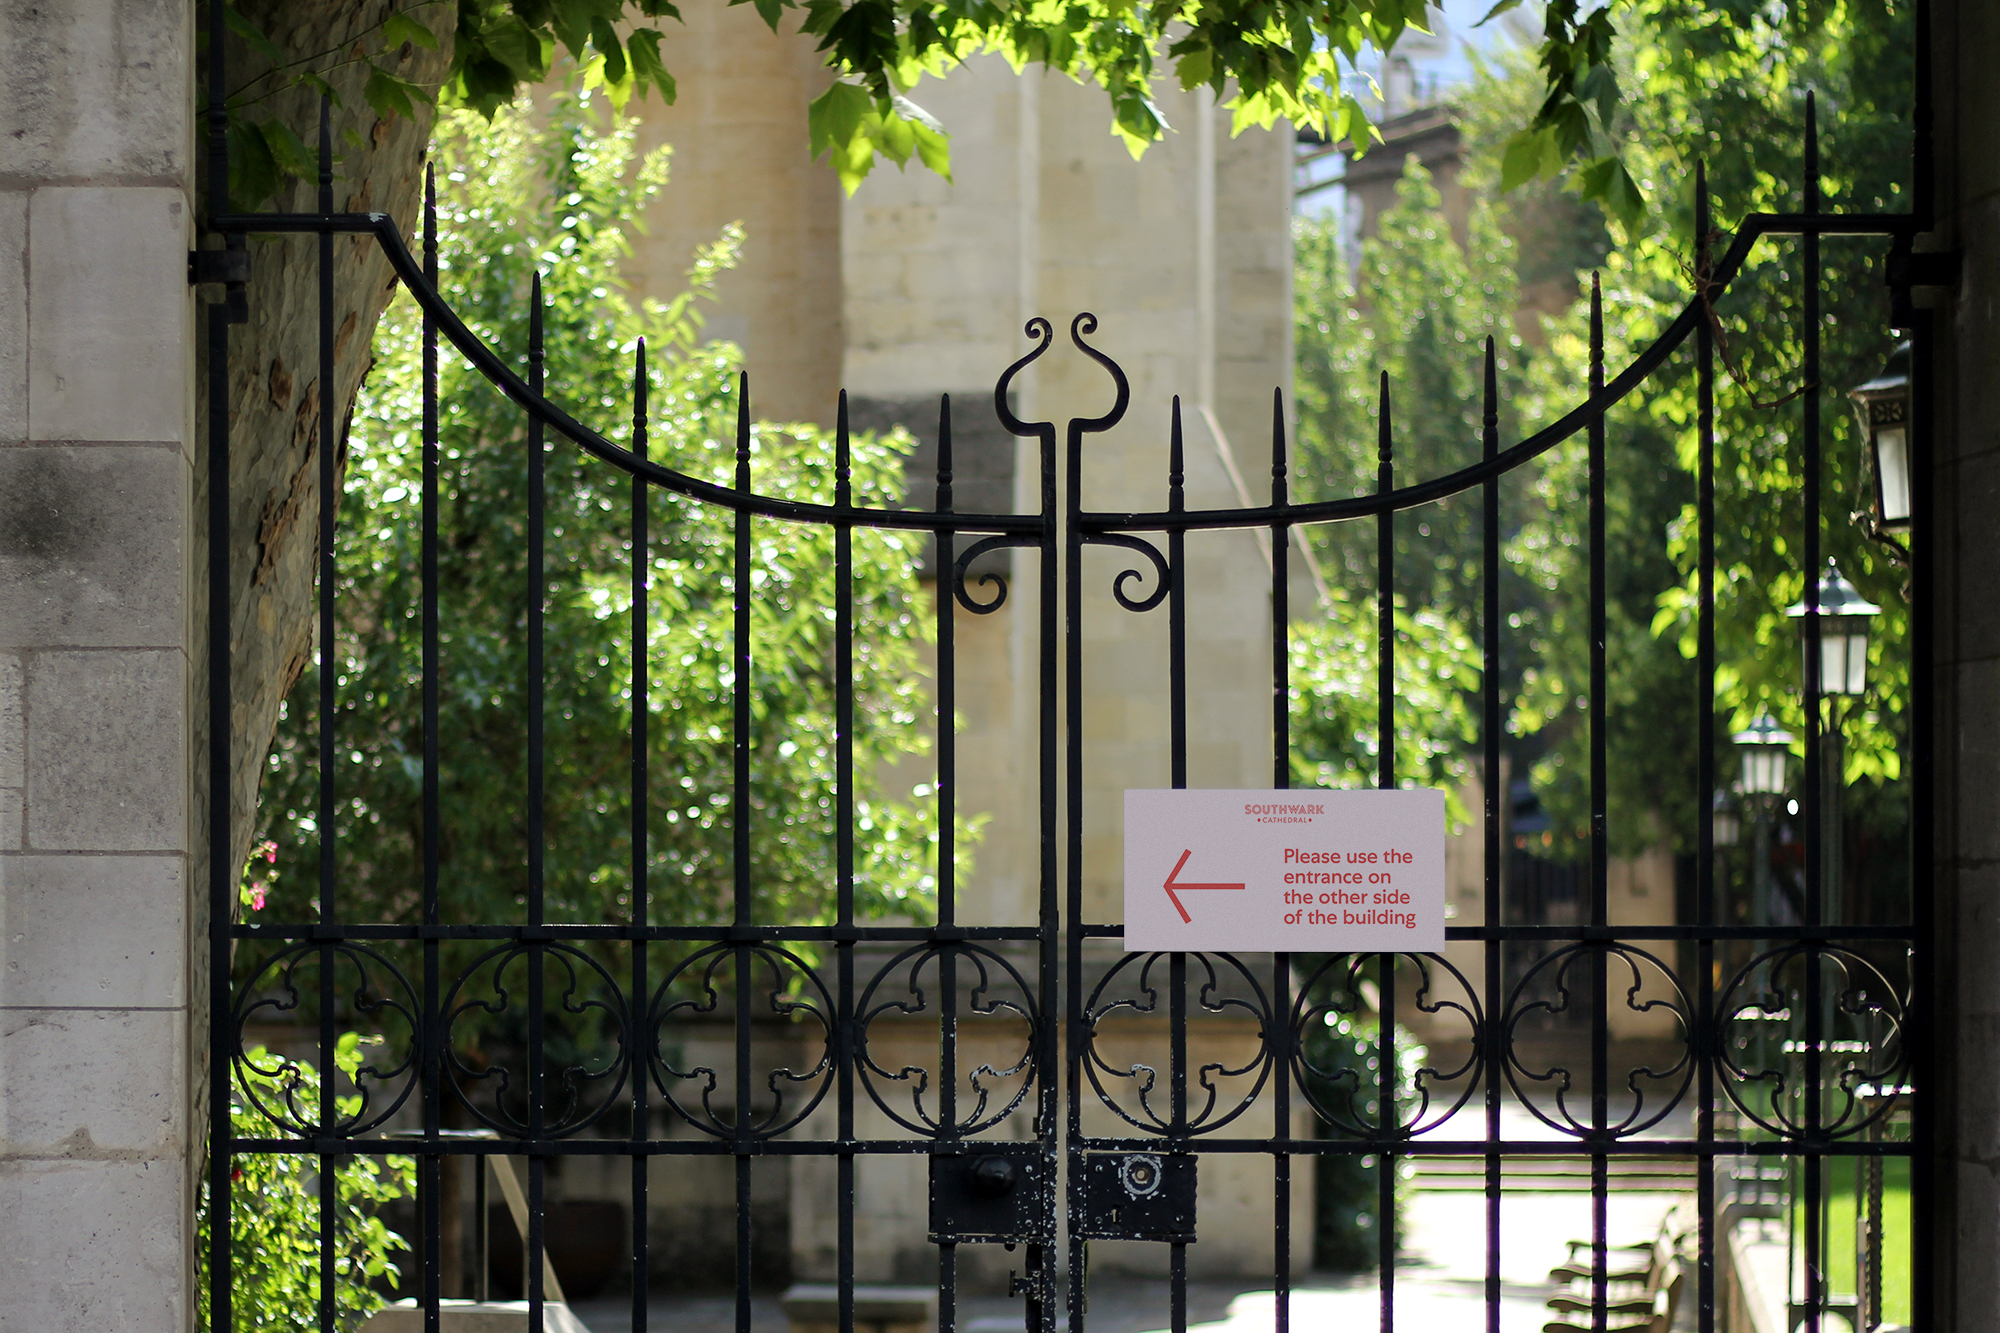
{"type": "Point", "coordinates": [257, 896]}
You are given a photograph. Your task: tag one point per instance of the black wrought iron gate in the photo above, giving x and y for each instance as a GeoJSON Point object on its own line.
{"type": "Point", "coordinates": [1030, 1166]}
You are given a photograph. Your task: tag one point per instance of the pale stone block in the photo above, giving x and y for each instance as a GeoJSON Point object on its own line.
{"type": "Point", "coordinates": [13, 316]}
{"type": "Point", "coordinates": [86, 1082]}
{"type": "Point", "coordinates": [11, 740]}
{"type": "Point", "coordinates": [93, 931]}
{"type": "Point", "coordinates": [10, 818]}
{"type": "Point", "coordinates": [97, 90]}
{"type": "Point", "coordinates": [117, 1260]}
{"type": "Point", "coordinates": [92, 549]}
{"type": "Point", "coordinates": [107, 751]}
{"type": "Point", "coordinates": [109, 314]}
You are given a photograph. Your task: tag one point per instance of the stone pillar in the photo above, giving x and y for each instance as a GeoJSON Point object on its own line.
{"type": "Point", "coordinates": [96, 549]}
{"type": "Point", "coordinates": [1966, 675]}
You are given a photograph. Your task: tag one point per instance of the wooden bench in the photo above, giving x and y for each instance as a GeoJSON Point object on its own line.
{"type": "Point", "coordinates": [1643, 1284]}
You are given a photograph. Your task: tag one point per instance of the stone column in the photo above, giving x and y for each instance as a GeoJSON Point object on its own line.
{"type": "Point", "coordinates": [1965, 674]}
{"type": "Point", "coordinates": [96, 548]}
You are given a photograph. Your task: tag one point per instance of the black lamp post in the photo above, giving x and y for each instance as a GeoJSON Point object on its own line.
{"type": "Point", "coordinates": [1765, 747]}
{"type": "Point", "coordinates": [1841, 633]}
{"type": "Point", "coordinates": [1841, 639]}
{"type": "Point", "coordinates": [1883, 408]}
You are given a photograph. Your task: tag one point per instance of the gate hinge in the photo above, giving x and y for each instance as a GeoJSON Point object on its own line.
{"type": "Point", "coordinates": [1907, 269]}
{"type": "Point", "coordinates": [1924, 268]}
{"type": "Point", "coordinates": [218, 266]}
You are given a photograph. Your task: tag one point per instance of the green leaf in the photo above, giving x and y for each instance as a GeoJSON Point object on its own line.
{"type": "Point", "coordinates": [1526, 158]}
{"type": "Point", "coordinates": [400, 28]}
{"type": "Point", "coordinates": [834, 118]}
{"type": "Point", "coordinates": [252, 35]}
{"type": "Point", "coordinates": [643, 47]}
{"type": "Point", "coordinates": [524, 52]}
{"type": "Point", "coordinates": [1497, 11]}
{"type": "Point", "coordinates": [389, 95]}
{"type": "Point", "coordinates": [288, 150]}
{"type": "Point", "coordinates": [1608, 182]}
{"type": "Point", "coordinates": [254, 174]}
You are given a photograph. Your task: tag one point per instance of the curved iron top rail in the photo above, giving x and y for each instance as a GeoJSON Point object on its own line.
{"type": "Point", "coordinates": [1756, 226]}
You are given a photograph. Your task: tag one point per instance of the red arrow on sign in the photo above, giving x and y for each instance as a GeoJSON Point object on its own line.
{"type": "Point", "coordinates": [1172, 884]}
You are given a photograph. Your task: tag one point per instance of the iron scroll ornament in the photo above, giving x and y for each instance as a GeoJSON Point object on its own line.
{"type": "Point", "coordinates": [1139, 970]}
{"type": "Point", "coordinates": [1766, 1036]}
{"type": "Point", "coordinates": [793, 991]}
{"type": "Point", "coordinates": [585, 994]}
{"type": "Point", "coordinates": [881, 999]}
{"type": "Point", "coordinates": [274, 988]}
{"type": "Point", "coordinates": [1337, 1093]}
{"type": "Point", "coordinates": [1547, 1093]}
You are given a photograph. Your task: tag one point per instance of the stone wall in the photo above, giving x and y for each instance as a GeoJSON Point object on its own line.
{"type": "Point", "coordinates": [1965, 677]}
{"type": "Point", "coordinates": [97, 569]}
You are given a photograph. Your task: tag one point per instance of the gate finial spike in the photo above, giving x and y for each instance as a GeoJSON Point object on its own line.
{"type": "Point", "coordinates": [639, 400]}
{"type": "Point", "coordinates": [1385, 448]}
{"type": "Point", "coordinates": [1596, 333]}
{"type": "Point", "coordinates": [944, 454]}
{"type": "Point", "coordinates": [1489, 409]}
{"type": "Point", "coordinates": [841, 494]}
{"type": "Point", "coordinates": [1176, 474]}
{"type": "Point", "coordinates": [742, 430]}
{"type": "Point", "coordinates": [1812, 152]}
{"type": "Point", "coordinates": [1277, 446]}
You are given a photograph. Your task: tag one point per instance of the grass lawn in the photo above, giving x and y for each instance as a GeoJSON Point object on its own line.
{"type": "Point", "coordinates": [1841, 1179]}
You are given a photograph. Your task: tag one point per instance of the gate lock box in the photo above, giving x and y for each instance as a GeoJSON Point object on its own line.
{"type": "Point", "coordinates": [1137, 1196]}
{"type": "Point", "coordinates": [992, 1197]}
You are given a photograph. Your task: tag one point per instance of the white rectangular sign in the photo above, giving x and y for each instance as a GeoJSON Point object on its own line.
{"type": "Point", "coordinates": [1285, 871]}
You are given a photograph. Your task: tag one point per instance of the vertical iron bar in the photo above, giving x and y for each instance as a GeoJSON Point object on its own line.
{"type": "Point", "coordinates": [1177, 763]}
{"type": "Point", "coordinates": [482, 1167]}
{"type": "Point", "coordinates": [1281, 778]}
{"type": "Point", "coordinates": [1385, 760]}
{"type": "Point", "coordinates": [1489, 694]}
{"type": "Point", "coordinates": [1815, 1240]}
{"type": "Point", "coordinates": [537, 833]}
{"type": "Point", "coordinates": [1072, 740]}
{"type": "Point", "coordinates": [1600, 958]}
{"type": "Point", "coordinates": [1705, 894]}
{"type": "Point", "coordinates": [843, 594]}
{"type": "Point", "coordinates": [1049, 1123]}
{"type": "Point", "coordinates": [221, 785]}
{"type": "Point", "coordinates": [329, 508]}
{"type": "Point", "coordinates": [947, 910]}
{"type": "Point", "coordinates": [740, 835]}
{"type": "Point", "coordinates": [1926, 997]}
{"type": "Point", "coordinates": [641, 839]}
{"type": "Point", "coordinates": [431, 1045]}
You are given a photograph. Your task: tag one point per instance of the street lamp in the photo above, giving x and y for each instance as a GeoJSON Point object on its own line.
{"type": "Point", "coordinates": [1765, 747]}
{"type": "Point", "coordinates": [1883, 407]}
{"type": "Point", "coordinates": [1724, 824]}
{"type": "Point", "coordinates": [1843, 633]}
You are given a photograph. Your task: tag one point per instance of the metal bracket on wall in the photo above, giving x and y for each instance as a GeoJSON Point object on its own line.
{"type": "Point", "coordinates": [1137, 1196]}
{"type": "Point", "coordinates": [1907, 269]}
{"type": "Point", "coordinates": [228, 268]}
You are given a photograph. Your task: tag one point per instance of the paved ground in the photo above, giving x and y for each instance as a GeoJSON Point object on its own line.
{"type": "Point", "coordinates": [1439, 1284]}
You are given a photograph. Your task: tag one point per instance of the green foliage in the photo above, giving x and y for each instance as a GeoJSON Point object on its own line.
{"type": "Point", "coordinates": [514, 199]}
{"type": "Point", "coordinates": [1270, 61]}
{"type": "Point", "coordinates": [1430, 306]}
{"type": "Point", "coordinates": [1714, 57]}
{"type": "Point", "coordinates": [1343, 1073]}
{"type": "Point", "coordinates": [274, 1213]}
{"type": "Point", "coordinates": [1728, 92]}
